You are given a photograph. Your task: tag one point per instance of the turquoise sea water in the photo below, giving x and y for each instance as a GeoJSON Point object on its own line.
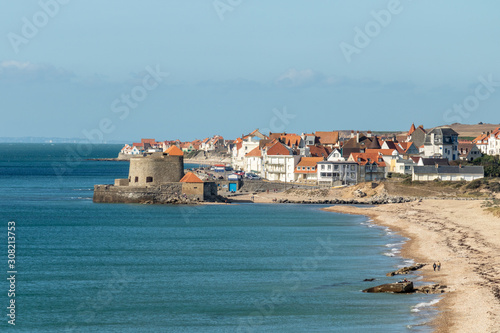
{"type": "Point", "coordinates": [85, 267]}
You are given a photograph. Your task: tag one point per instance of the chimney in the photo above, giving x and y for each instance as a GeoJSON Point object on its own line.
{"type": "Point", "coordinates": [369, 134]}
{"type": "Point", "coordinates": [352, 134]}
{"type": "Point", "coordinates": [357, 136]}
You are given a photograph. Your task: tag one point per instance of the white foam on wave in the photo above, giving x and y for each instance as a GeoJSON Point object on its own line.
{"type": "Point", "coordinates": [417, 308]}
{"type": "Point", "coordinates": [394, 244]}
{"type": "Point", "coordinates": [389, 254]}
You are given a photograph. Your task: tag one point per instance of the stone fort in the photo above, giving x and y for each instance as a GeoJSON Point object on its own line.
{"type": "Point", "coordinates": [157, 178]}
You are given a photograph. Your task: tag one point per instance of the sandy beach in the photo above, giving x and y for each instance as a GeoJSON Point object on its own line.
{"type": "Point", "coordinates": [466, 241]}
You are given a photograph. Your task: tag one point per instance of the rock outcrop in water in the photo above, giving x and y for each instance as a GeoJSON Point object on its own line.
{"type": "Point", "coordinates": [399, 287]}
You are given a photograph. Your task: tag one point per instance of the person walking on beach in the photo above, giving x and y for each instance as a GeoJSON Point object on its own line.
{"type": "Point", "coordinates": [439, 265]}
{"type": "Point", "coordinates": [434, 266]}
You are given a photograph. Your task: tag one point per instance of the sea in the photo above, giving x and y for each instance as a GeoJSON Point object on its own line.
{"type": "Point", "coordinates": [80, 266]}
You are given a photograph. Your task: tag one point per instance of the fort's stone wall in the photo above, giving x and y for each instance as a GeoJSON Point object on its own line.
{"type": "Point", "coordinates": [165, 193]}
{"type": "Point", "coordinates": [156, 169]}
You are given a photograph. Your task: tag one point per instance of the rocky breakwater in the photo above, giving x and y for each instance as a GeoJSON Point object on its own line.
{"type": "Point", "coordinates": [376, 200]}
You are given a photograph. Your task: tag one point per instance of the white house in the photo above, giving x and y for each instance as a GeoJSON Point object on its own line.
{"type": "Point", "coordinates": [494, 142]}
{"type": "Point", "coordinates": [337, 172]}
{"type": "Point", "coordinates": [441, 142]}
{"type": "Point", "coordinates": [278, 162]}
{"type": "Point", "coordinates": [253, 162]}
{"type": "Point", "coordinates": [243, 146]}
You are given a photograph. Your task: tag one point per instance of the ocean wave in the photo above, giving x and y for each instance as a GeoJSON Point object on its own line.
{"type": "Point", "coordinates": [419, 306]}
{"type": "Point", "coordinates": [394, 244]}
{"type": "Point", "coordinates": [389, 254]}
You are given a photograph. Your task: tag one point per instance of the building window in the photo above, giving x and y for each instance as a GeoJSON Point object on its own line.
{"type": "Point", "coordinates": [129, 179]}
{"type": "Point", "coordinates": [136, 179]}
{"type": "Point", "coordinates": [149, 179]}
{"type": "Point", "coordinates": [322, 167]}
{"type": "Point", "coordinates": [335, 167]}
{"type": "Point", "coordinates": [329, 167]}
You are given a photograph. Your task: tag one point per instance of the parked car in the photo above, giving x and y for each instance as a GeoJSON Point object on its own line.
{"type": "Point", "coordinates": [239, 172]}
{"type": "Point", "coordinates": [253, 176]}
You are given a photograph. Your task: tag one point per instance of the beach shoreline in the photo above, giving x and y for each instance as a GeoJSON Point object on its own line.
{"type": "Point", "coordinates": [466, 240]}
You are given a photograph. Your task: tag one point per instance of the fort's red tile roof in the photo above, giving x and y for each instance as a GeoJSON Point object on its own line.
{"type": "Point", "coordinates": [190, 178]}
{"type": "Point", "coordinates": [173, 151]}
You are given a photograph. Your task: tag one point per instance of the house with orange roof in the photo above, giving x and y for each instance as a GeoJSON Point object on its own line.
{"type": "Point", "coordinates": [306, 170]}
{"type": "Point", "coordinates": [318, 151]}
{"type": "Point", "coordinates": [186, 147]}
{"type": "Point", "coordinates": [372, 166]}
{"type": "Point", "coordinates": [278, 162]}
{"type": "Point", "coordinates": [126, 150]}
{"type": "Point", "coordinates": [329, 139]}
{"type": "Point", "coordinates": [243, 146]}
{"type": "Point", "coordinates": [489, 143]}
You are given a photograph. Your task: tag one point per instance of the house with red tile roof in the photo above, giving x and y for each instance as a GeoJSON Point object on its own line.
{"type": "Point", "coordinates": [329, 139]}
{"type": "Point", "coordinates": [243, 146]}
{"type": "Point", "coordinates": [489, 143]}
{"type": "Point", "coordinates": [278, 162]}
{"type": "Point", "coordinates": [468, 151]}
{"type": "Point", "coordinates": [306, 170]}
{"type": "Point", "coordinates": [357, 143]}
{"type": "Point", "coordinates": [319, 151]}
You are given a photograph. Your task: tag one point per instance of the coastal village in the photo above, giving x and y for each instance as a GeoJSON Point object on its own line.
{"type": "Point", "coordinates": [272, 161]}
{"type": "Point", "coordinates": [326, 158]}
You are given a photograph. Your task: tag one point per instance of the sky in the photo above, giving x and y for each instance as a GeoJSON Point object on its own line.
{"type": "Point", "coordinates": [121, 70]}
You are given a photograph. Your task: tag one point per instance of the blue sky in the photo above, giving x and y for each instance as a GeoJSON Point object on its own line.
{"type": "Point", "coordinates": [230, 66]}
